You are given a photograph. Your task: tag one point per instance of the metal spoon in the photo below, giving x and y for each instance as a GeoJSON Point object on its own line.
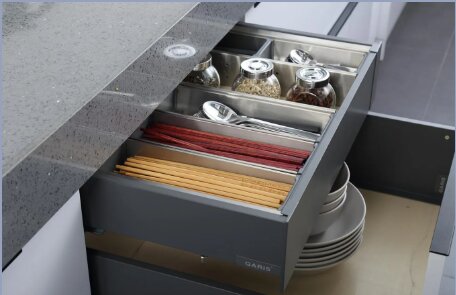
{"type": "Point", "coordinates": [303, 57]}
{"type": "Point", "coordinates": [219, 112]}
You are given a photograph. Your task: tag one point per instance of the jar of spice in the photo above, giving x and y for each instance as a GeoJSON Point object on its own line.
{"type": "Point", "coordinates": [204, 73]}
{"type": "Point", "coordinates": [257, 77]}
{"type": "Point", "coordinates": [312, 87]}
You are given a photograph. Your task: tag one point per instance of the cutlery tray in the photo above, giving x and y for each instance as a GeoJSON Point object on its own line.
{"type": "Point", "coordinates": [200, 124]}
{"type": "Point", "coordinates": [187, 99]}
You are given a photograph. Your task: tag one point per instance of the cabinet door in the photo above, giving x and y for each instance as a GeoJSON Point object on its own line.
{"type": "Point", "coordinates": [54, 261]}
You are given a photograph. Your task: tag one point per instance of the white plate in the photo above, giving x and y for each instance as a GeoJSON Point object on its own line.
{"type": "Point", "coordinates": [340, 184]}
{"type": "Point", "coordinates": [326, 219]}
{"type": "Point", "coordinates": [312, 261]}
{"type": "Point", "coordinates": [323, 266]}
{"type": "Point", "coordinates": [334, 245]}
{"type": "Point", "coordinates": [325, 252]}
{"type": "Point", "coordinates": [330, 206]}
{"type": "Point", "coordinates": [309, 262]}
{"type": "Point", "coordinates": [349, 221]}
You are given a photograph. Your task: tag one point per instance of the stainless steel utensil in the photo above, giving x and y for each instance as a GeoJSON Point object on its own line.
{"type": "Point", "coordinates": [302, 57]}
{"type": "Point", "coordinates": [221, 113]}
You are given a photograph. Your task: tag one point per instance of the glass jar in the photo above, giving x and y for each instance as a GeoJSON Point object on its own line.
{"type": "Point", "coordinates": [312, 87]}
{"type": "Point", "coordinates": [204, 73]}
{"type": "Point", "coordinates": [257, 77]}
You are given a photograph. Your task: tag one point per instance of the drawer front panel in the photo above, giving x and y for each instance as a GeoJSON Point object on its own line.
{"type": "Point", "coordinates": [182, 219]}
{"type": "Point", "coordinates": [112, 275]}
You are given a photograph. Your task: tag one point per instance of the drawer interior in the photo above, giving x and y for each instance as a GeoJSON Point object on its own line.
{"type": "Point", "coordinates": [134, 148]}
{"type": "Point", "coordinates": [324, 50]}
{"type": "Point", "coordinates": [175, 154]}
{"type": "Point", "coordinates": [238, 43]}
{"type": "Point", "coordinates": [228, 65]}
{"type": "Point", "coordinates": [188, 99]}
{"type": "Point", "coordinates": [241, 132]}
{"type": "Point", "coordinates": [279, 50]}
{"type": "Point", "coordinates": [277, 46]}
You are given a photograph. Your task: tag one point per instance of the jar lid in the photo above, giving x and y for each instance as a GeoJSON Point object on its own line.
{"type": "Point", "coordinates": [301, 57]}
{"type": "Point", "coordinates": [204, 64]}
{"type": "Point", "coordinates": [257, 68]}
{"type": "Point", "coordinates": [313, 77]}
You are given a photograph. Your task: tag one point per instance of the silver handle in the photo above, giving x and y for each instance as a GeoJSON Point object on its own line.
{"type": "Point", "coordinates": [338, 67]}
{"type": "Point", "coordinates": [280, 128]}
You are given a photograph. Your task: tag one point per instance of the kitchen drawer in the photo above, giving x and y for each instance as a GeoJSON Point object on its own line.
{"type": "Point", "coordinates": [116, 275]}
{"type": "Point", "coordinates": [264, 239]}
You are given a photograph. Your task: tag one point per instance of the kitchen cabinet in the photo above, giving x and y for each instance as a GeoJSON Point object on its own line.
{"type": "Point", "coordinates": [54, 261]}
{"type": "Point", "coordinates": [215, 227]}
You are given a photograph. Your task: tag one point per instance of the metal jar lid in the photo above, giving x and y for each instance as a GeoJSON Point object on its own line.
{"type": "Point", "coordinates": [313, 77]}
{"type": "Point", "coordinates": [257, 68]}
{"type": "Point", "coordinates": [204, 64]}
{"type": "Point", "coordinates": [301, 57]}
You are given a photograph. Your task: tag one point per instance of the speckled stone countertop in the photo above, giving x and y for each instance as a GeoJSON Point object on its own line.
{"type": "Point", "coordinates": [57, 56]}
{"type": "Point", "coordinates": [78, 78]}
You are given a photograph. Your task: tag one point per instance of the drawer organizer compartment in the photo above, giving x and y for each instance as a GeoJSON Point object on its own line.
{"type": "Point", "coordinates": [145, 155]}
{"type": "Point", "coordinates": [260, 238]}
{"type": "Point", "coordinates": [323, 49]}
{"type": "Point", "coordinates": [187, 99]}
{"type": "Point", "coordinates": [228, 66]}
{"type": "Point", "coordinates": [252, 142]}
{"type": "Point", "coordinates": [242, 44]}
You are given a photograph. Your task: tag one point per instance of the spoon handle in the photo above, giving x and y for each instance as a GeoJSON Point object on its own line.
{"type": "Point", "coordinates": [280, 128]}
{"type": "Point", "coordinates": [338, 67]}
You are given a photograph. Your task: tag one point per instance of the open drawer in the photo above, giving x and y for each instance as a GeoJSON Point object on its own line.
{"type": "Point", "coordinates": [257, 238]}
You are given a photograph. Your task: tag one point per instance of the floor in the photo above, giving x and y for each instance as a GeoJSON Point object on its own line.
{"type": "Point", "coordinates": [392, 259]}
{"type": "Point", "coordinates": [416, 78]}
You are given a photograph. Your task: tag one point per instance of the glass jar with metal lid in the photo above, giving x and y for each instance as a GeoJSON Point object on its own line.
{"type": "Point", "coordinates": [257, 77]}
{"type": "Point", "coordinates": [313, 87]}
{"type": "Point", "coordinates": [204, 73]}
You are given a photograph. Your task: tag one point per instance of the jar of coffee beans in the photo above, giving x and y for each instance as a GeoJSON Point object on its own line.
{"type": "Point", "coordinates": [312, 87]}
{"type": "Point", "coordinates": [204, 73]}
{"type": "Point", "coordinates": [257, 77]}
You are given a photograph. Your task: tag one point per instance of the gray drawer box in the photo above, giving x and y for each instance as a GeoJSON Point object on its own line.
{"type": "Point", "coordinates": [266, 240]}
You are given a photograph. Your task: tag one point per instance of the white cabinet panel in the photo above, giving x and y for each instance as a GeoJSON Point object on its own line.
{"type": "Point", "coordinates": [359, 25]}
{"type": "Point", "coordinates": [54, 261]}
{"type": "Point", "coordinates": [313, 17]}
{"type": "Point", "coordinates": [372, 21]}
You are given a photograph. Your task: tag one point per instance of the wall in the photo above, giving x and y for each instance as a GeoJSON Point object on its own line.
{"type": "Point", "coordinates": [54, 261]}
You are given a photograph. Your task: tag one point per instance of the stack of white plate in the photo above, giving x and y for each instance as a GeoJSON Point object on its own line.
{"type": "Point", "coordinates": [340, 240]}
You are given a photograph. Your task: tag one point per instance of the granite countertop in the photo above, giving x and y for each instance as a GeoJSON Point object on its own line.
{"type": "Point", "coordinates": [78, 78]}
{"type": "Point", "coordinates": [57, 56]}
